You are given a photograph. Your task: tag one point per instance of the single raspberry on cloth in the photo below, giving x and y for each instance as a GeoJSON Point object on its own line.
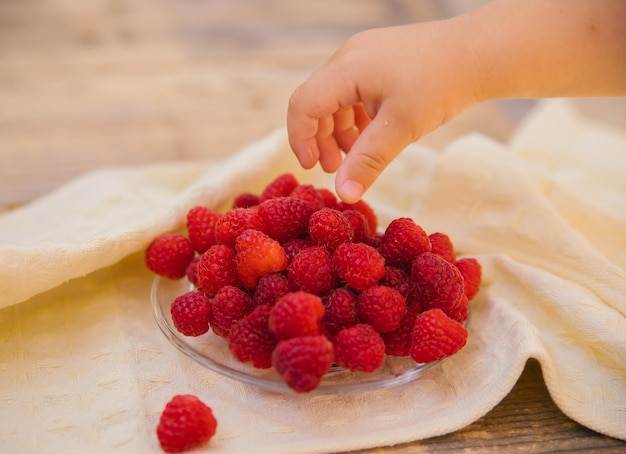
{"type": "Point", "coordinates": [339, 310]}
{"type": "Point", "coordinates": [303, 361]}
{"type": "Point", "coordinates": [250, 339]}
{"type": "Point", "coordinates": [185, 423]}
{"type": "Point", "coordinates": [169, 255]}
{"type": "Point", "coordinates": [216, 268]}
{"type": "Point", "coordinates": [442, 246]}
{"type": "Point", "coordinates": [402, 242]}
{"type": "Point", "coordinates": [201, 227]}
{"type": "Point", "coordinates": [257, 255]}
{"type": "Point", "coordinates": [281, 186]}
{"type": "Point", "coordinates": [296, 314]}
{"type": "Point", "coordinates": [312, 270]}
{"type": "Point", "coordinates": [471, 271]}
{"type": "Point", "coordinates": [329, 227]}
{"type": "Point", "coordinates": [438, 283]}
{"type": "Point", "coordinates": [190, 313]}
{"type": "Point", "coordinates": [358, 265]}
{"type": "Point", "coordinates": [381, 307]}
{"type": "Point", "coordinates": [436, 336]}
{"type": "Point", "coordinates": [359, 348]}
{"type": "Point", "coordinates": [233, 222]}
{"type": "Point", "coordinates": [285, 217]}
{"type": "Point", "coordinates": [230, 304]}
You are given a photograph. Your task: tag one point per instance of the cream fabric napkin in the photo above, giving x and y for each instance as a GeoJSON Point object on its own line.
{"type": "Point", "coordinates": [84, 367]}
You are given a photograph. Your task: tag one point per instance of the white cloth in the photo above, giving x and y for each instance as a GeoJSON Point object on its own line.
{"type": "Point", "coordinates": [83, 365]}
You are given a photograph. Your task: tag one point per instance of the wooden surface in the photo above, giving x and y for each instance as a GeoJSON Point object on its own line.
{"type": "Point", "coordinates": [109, 82]}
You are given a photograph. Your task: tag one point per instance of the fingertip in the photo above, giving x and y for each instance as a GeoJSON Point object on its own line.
{"type": "Point", "coordinates": [350, 191]}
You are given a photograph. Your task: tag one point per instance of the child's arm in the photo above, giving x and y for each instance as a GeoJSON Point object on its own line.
{"type": "Point", "coordinates": [386, 88]}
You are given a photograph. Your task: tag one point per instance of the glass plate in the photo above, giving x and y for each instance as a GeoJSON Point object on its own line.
{"type": "Point", "coordinates": [212, 351]}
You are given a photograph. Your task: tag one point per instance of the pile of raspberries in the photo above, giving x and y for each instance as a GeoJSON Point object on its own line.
{"type": "Point", "coordinates": [295, 279]}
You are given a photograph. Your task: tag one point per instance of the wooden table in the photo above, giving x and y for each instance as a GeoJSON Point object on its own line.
{"type": "Point", "coordinates": [108, 82]}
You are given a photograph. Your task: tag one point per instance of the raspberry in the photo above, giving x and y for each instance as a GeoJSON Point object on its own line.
{"type": "Point", "coordinates": [402, 242]}
{"type": "Point", "coordinates": [359, 225]}
{"type": "Point", "coordinates": [285, 217]}
{"type": "Point", "coordinates": [185, 423]}
{"type": "Point", "coordinates": [442, 246]}
{"type": "Point", "coordinates": [190, 313]}
{"type": "Point", "coordinates": [311, 270]}
{"type": "Point", "coordinates": [438, 283]}
{"type": "Point", "coordinates": [246, 200]}
{"type": "Point", "coordinates": [296, 314]}
{"type": "Point", "coordinates": [329, 227]}
{"type": "Point", "coordinates": [398, 341]}
{"type": "Point", "coordinates": [295, 245]}
{"type": "Point", "coordinates": [216, 268]}
{"type": "Point", "coordinates": [270, 288]}
{"type": "Point", "coordinates": [330, 199]}
{"type": "Point", "coordinates": [358, 265]}
{"type": "Point", "coordinates": [308, 193]}
{"type": "Point", "coordinates": [461, 310]}
{"type": "Point", "coordinates": [230, 304]}
{"type": "Point", "coordinates": [192, 271]}
{"type": "Point", "coordinates": [365, 209]}
{"type": "Point", "coordinates": [258, 255]}
{"type": "Point", "coordinates": [281, 186]}
{"type": "Point", "coordinates": [375, 240]}
{"type": "Point", "coordinates": [382, 307]}
{"type": "Point", "coordinates": [250, 339]}
{"type": "Point", "coordinates": [201, 227]}
{"type": "Point", "coordinates": [398, 279]}
{"type": "Point", "coordinates": [169, 255]}
{"type": "Point", "coordinates": [471, 271]}
{"type": "Point", "coordinates": [436, 336]}
{"type": "Point", "coordinates": [303, 361]}
{"type": "Point", "coordinates": [339, 310]}
{"type": "Point", "coordinates": [359, 348]}
{"type": "Point", "coordinates": [233, 222]}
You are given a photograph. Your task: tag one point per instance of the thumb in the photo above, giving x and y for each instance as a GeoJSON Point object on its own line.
{"type": "Point", "coordinates": [379, 143]}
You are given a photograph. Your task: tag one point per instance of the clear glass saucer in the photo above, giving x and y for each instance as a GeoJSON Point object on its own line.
{"type": "Point", "coordinates": [211, 351]}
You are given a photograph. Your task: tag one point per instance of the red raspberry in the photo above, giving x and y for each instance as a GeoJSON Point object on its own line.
{"type": "Point", "coordinates": [270, 288]}
{"type": "Point", "coordinates": [442, 246]}
{"type": "Point", "coordinates": [308, 193]}
{"type": "Point", "coordinates": [296, 314]}
{"type": "Point", "coordinates": [295, 245]}
{"type": "Point", "coordinates": [190, 313]}
{"type": "Point", "coordinates": [359, 348]}
{"type": "Point", "coordinates": [303, 361]}
{"type": "Point", "coordinates": [365, 209]}
{"type": "Point", "coordinates": [192, 271]}
{"type": "Point", "coordinates": [436, 336]}
{"type": "Point", "coordinates": [246, 200]}
{"type": "Point", "coordinates": [201, 227]}
{"type": "Point", "coordinates": [382, 307]}
{"type": "Point", "coordinates": [461, 310]}
{"type": "Point", "coordinates": [359, 225]}
{"type": "Point", "coordinates": [258, 255]}
{"type": "Point", "coordinates": [311, 270]}
{"type": "Point", "coordinates": [358, 265]}
{"type": "Point", "coordinates": [233, 222]}
{"type": "Point", "coordinates": [281, 186]}
{"type": "Point", "coordinates": [398, 279]}
{"type": "Point", "coordinates": [374, 240]}
{"type": "Point", "coordinates": [185, 423]}
{"type": "Point", "coordinates": [230, 304]}
{"type": "Point", "coordinates": [169, 255]}
{"type": "Point", "coordinates": [250, 339]}
{"type": "Point", "coordinates": [438, 283]}
{"type": "Point", "coordinates": [471, 271]}
{"type": "Point", "coordinates": [329, 198]}
{"type": "Point", "coordinates": [402, 242]}
{"type": "Point", "coordinates": [285, 217]}
{"type": "Point", "coordinates": [398, 341]}
{"type": "Point", "coordinates": [216, 268]}
{"type": "Point", "coordinates": [329, 227]}
{"type": "Point", "coordinates": [339, 310]}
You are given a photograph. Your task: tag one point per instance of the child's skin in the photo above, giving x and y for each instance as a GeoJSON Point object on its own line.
{"type": "Point", "coordinates": [386, 88]}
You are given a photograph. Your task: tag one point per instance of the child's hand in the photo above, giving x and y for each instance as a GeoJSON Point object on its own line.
{"type": "Point", "coordinates": [381, 90]}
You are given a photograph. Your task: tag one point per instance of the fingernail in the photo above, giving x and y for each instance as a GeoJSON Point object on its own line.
{"type": "Point", "coordinates": [351, 191]}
